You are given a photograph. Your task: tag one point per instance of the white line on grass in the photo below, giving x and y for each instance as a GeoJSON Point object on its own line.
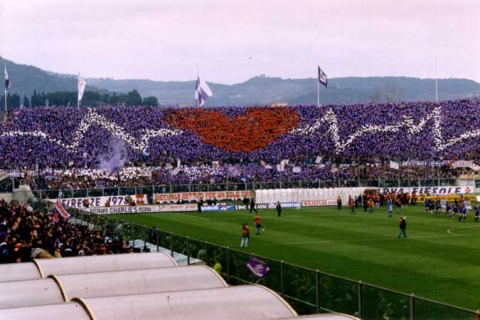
{"type": "Point", "coordinates": [360, 240]}
{"type": "Point", "coordinates": [191, 216]}
{"type": "Point", "coordinates": [466, 227]}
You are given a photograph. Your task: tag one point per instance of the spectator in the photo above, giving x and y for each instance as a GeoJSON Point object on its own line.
{"type": "Point", "coordinates": [5, 256]}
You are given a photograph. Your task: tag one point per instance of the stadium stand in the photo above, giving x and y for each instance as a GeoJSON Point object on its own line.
{"type": "Point", "coordinates": [65, 137]}
{"type": "Point", "coordinates": [64, 147]}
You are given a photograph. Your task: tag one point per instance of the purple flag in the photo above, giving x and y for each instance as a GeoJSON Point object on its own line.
{"type": "Point", "coordinates": [258, 268]}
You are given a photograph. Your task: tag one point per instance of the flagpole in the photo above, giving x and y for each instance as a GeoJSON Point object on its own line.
{"type": "Point", "coordinates": [436, 84]}
{"type": "Point", "coordinates": [318, 93]}
{"type": "Point", "coordinates": [5, 115]}
{"type": "Point", "coordinates": [197, 81]}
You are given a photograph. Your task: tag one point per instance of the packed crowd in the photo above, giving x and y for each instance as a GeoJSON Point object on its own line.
{"type": "Point", "coordinates": [144, 145]}
{"type": "Point", "coordinates": [27, 234]}
{"type": "Point", "coordinates": [221, 176]}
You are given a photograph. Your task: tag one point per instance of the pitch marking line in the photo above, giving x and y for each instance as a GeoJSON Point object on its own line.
{"type": "Point", "coordinates": [361, 240]}
{"type": "Point", "coordinates": [450, 231]}
{"type": "Point", "coordinates": [191, 216]}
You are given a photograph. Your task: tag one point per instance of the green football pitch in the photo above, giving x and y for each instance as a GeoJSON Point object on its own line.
{"type": "Point", "coordinates": [440, 259]}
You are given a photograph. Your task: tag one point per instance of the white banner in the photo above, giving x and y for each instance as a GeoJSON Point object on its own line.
{"type": "Point", "coordinates": [319, 203]}
{"type": "Point", "coordinates": [94, 202]}
{"type": "Point", "coordinates": [462, 164]}
{"type": "Point", "coordinates": [144, 209]}
{"type": "Point", "coordinates": [430, 190]}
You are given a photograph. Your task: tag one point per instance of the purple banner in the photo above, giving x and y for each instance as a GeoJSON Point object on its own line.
{"type": "Point", "coordinates": [257, 267]}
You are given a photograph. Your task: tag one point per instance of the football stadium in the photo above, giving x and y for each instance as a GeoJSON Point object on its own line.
{"type": "Point", "coordinates": [240, 160]}
{"type": "Point", "coordinates": [327, 242]}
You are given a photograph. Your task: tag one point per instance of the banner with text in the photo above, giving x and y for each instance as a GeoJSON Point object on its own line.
{"type": "Point", "coordinates": [219, 207]}
{"type": "Point", "coordinates": [294, 205]}
{"type": "Point", "coordinates": [319, 203]}
{"type": "Point", "coordinates": [101, 201]}
{"type": "Point", "coordinates": [194, 196]}
{"type": "Point", "coordinates": [430, 190]}
{"type": "Point", "coordinates": [144, 209]}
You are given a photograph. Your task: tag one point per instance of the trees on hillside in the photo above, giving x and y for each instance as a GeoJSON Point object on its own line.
{"type": "Point", "coordinates": [90, 98]}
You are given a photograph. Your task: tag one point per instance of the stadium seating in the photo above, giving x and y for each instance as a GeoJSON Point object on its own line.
{"type": "Point", "coordinates": [179, 146]}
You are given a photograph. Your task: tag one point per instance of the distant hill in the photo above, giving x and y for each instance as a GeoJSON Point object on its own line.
{"type": "Point", "coordinates": [259, 90]}
{"type": "Point", "coordinates": [26, 79]}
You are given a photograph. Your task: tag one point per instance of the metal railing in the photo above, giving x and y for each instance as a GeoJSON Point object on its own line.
{"type": "Point", "coordinates": [158, 189]}
{"type": "Point", "coordinates": [308, 291]}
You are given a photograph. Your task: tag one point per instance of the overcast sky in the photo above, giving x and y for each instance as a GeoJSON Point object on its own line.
{"type": "Point", "coordinates": [230, 41]}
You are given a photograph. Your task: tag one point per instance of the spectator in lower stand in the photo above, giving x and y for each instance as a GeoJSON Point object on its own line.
{"type": "Point", "coordinates": [38, 252]}
{"type": "Point", "coordinates": [153, 236]}
{"type": "Point", "coordinates": [5, 254]}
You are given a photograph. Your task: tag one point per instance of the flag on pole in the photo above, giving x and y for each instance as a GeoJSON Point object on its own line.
{"type": "Point", "coordinates": [81, 87]}
{"type": "Point", "coordinates": [7, 81]}
{"type": "Point", "coordinates": [202, 92]}
{"type": "Point", "coordinates": [61, 210]}
{"type": "Point", "coordinates": [322, 77]}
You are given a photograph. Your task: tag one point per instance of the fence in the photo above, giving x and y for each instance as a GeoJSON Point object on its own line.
{"type": "Point", "coordinates": [308, 291]}
{"type": "Point", "coordinates": [249, 185]}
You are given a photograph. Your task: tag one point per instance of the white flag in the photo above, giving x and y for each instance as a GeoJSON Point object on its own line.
{"type": "Point", "coordinates": [81, 87]}
{"type": "Point", "coordinates": [202, 92]}
{"type": "Point", "coordinates": [394, 165]}
{"type": "Point", "coordinates": [7, 81]}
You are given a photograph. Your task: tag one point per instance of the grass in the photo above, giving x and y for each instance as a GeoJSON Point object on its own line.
{"type": "Point", "coordinates": [439, 260]}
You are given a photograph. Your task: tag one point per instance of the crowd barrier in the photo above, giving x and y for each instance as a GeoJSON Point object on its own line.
{"type": "Point", "coordinates": [165, 190]}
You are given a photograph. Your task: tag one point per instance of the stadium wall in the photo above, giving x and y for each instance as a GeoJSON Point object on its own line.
{"type": "Point", "coordinates": [6, 196]}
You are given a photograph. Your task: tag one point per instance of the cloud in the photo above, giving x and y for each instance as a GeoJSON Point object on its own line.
{"type": "Point", "coordinates": [170, 39]}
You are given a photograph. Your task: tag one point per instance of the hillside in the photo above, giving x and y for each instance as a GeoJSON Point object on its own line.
{"type": "Point", "coordinates": [26, 79]}
{"type": "Point", "coordinates": [258, 90]}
